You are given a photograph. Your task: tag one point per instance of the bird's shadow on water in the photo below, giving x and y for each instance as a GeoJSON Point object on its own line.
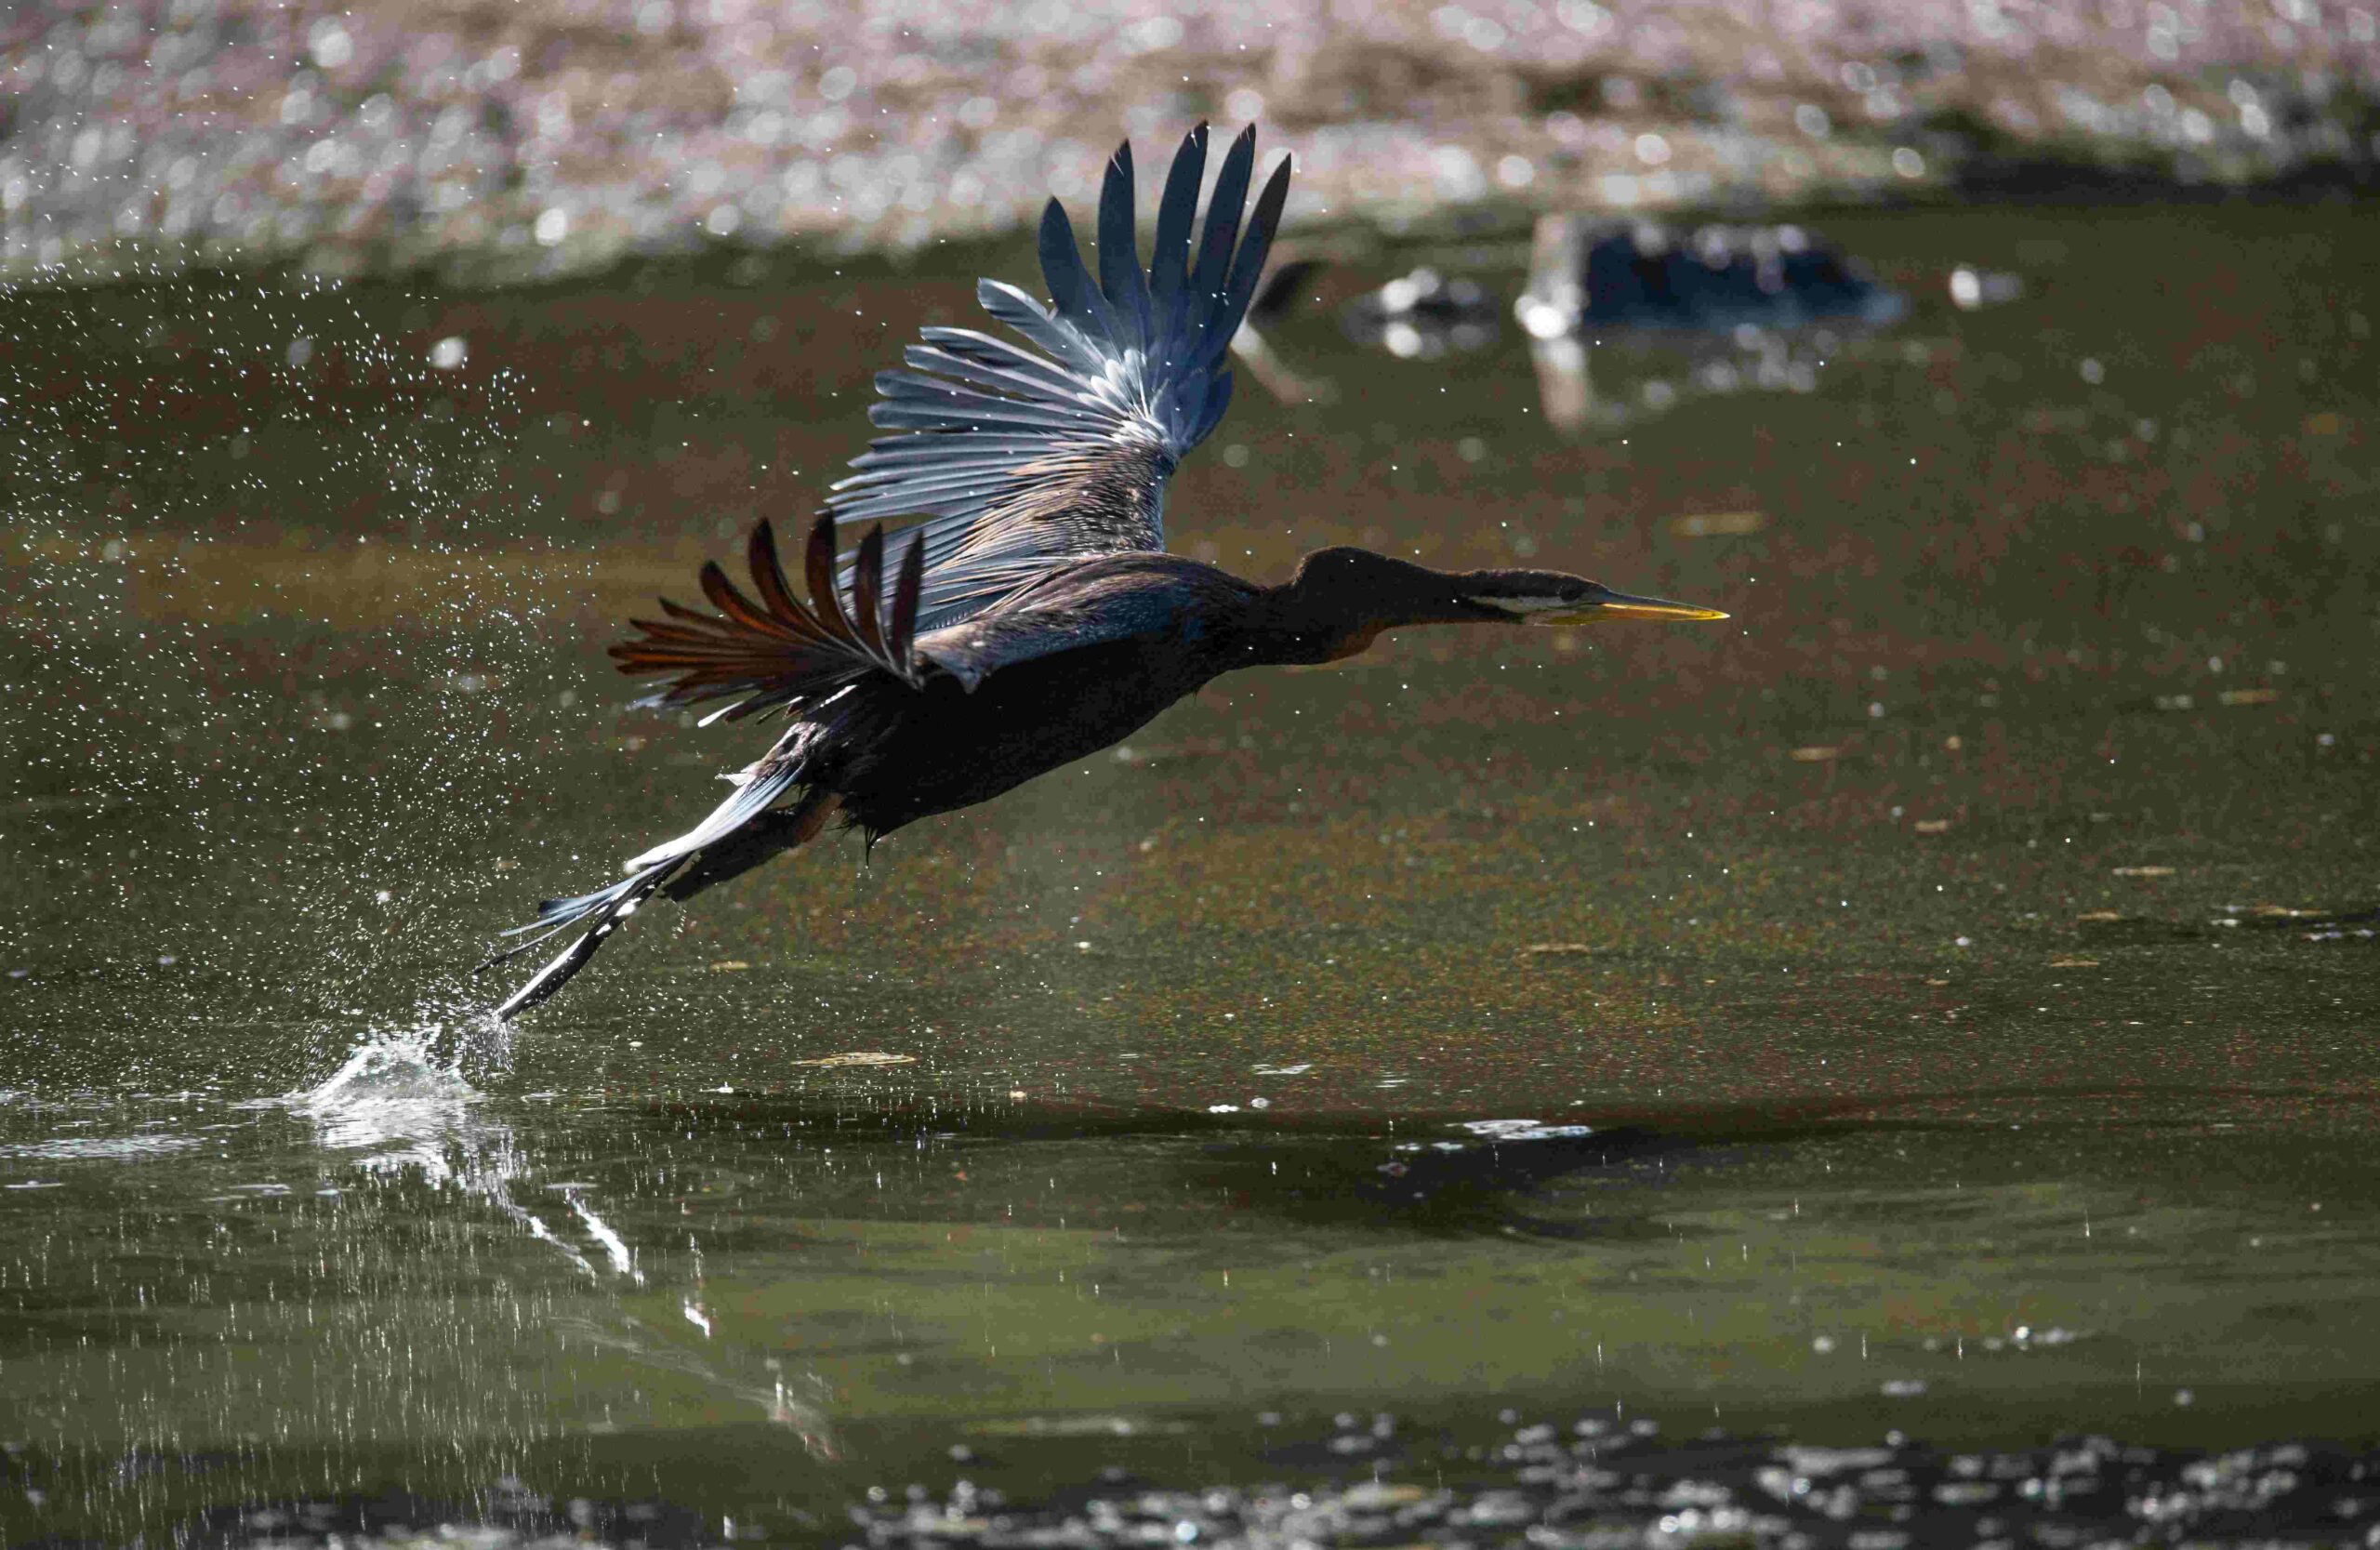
{"type": "Point", "coordinates": [1432, 1176]}
{"type": "Point", "coordinates": [1418, 1174]}
{"type": "Point", "coordinates": [1441, 1188]}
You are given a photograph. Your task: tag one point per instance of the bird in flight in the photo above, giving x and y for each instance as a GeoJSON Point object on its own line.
{"type": "Point", "coordinates": [1032, 616]}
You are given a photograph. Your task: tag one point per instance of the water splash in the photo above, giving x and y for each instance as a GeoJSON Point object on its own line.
{"type": "Point", "coordinates": [403, 1100]}
{"type": "Point", "coordinates": [398, 1089]}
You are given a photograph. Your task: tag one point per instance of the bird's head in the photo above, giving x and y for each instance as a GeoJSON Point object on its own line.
{"type": "Point", "coordinates": [1341, 597]}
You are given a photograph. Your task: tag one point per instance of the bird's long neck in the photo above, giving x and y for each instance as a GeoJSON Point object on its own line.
{"type": "Point", "coordinates": [1325, 614]}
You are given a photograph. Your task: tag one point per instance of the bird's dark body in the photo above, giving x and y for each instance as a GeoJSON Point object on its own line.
{"type": "Point", "coordinates": [902, 754]}
{"type": "Point", "coordinates": [944, 749]}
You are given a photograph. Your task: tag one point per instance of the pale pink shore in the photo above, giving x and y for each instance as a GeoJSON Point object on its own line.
{"type": "Point", "coordinates": [549, 135]}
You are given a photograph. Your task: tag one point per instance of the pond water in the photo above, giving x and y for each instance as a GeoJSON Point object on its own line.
{"type": "Point", "coordinates": [1940, 1000]}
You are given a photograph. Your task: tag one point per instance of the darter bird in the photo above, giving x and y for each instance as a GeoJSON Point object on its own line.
{"type": "Point", "coordinates": [1032, 616]}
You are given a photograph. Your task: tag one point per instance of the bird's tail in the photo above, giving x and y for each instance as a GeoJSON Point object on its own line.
{"type": "Point", "coordinates": [744, 832]}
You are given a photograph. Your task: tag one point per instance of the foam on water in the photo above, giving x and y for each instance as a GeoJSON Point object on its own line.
{"type": "Point", "coordinates": [104, 1148]}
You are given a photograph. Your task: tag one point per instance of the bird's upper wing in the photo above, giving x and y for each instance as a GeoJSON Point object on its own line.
{"type": "Point", "coordinates": [1023, 458]}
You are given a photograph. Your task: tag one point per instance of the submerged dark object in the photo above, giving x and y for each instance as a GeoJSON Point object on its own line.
{"type": "Point", "coordinates": [1033, 618]}
{"type": "Point", "coordinates": [1423, 314]}
{"type": "Point", "coordinates": [1587, 274]}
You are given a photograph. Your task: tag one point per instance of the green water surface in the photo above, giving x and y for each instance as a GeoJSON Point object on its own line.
{"type": "Point", "coordinates": [1942, 998]}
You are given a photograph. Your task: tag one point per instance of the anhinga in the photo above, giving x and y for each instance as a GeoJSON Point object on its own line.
{"type": "Point", "coordinates": [1034, 616]}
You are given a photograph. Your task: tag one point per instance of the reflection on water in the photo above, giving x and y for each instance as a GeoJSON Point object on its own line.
{"type": "Point", "coordinates": [592, 1300]}
{"type": "Point", "coordinates": [1941, 1004]}
{"type": "Point", "coordinates": [1618, 382]}
{"type": "Point", "coordinates": [414, 1117]}
{"type": "Point", "coordinates": [1423, 315]}
{"type": "Point", "coordinates": [1662, 317]}
{"type": "Point", "coordinates": [1598, 1481]}
{"type": "Point", "coordinates": [1626, 321]}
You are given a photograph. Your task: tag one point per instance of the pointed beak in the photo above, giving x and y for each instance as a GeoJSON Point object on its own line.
{"type": "Point", "coordinates": [1599, 605]}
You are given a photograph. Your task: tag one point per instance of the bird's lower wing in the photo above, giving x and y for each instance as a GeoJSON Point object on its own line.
{"type": "Point", "coordinates": [774, 649]}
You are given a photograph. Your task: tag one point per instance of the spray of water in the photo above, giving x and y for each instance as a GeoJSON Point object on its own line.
{"type": "Point", "coordinates": [283, 594]}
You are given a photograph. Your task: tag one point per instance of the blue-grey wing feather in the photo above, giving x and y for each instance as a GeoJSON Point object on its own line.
{"type": "Point", "coordinates": [1119, 264]}
{"type": "Point", "coordinates": [1170, 260]}
{"type": "Point", "coordinates": [1022, 457]}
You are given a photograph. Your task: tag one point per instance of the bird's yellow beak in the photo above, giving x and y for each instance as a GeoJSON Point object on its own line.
{"type": "Point", "coordinates": [1605, 605]}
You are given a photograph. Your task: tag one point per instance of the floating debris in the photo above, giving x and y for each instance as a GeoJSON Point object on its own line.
{"type": "Point", "coordinates": [1716, 524]}
{"type": "Point", "coordinates": [2144, 871]}
{"type": "Point", "coordinates": [1559, 949]}
{"type": "Point", "coordinates": [1818, 754]}
{"type": "Point", "coordinates": [1523, 1130]}
{"type": "Point", "coordinates": [865, 1058]}
{"type": "Point", "coordinates": [1971, 288]}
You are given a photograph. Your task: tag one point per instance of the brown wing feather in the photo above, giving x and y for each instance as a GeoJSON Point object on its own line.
{"type": "Point", "coordinates": [768, 576]}
{"type": "Point", "coordinates": [818, 562]}
{"type": "Point", "coordinates": [777, 649]}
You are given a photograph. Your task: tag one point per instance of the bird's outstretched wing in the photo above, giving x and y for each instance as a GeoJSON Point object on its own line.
{"type": "Point", "coordinates": [777, 650]}
{"type": "Point", "coordinates": [1023, 458]}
